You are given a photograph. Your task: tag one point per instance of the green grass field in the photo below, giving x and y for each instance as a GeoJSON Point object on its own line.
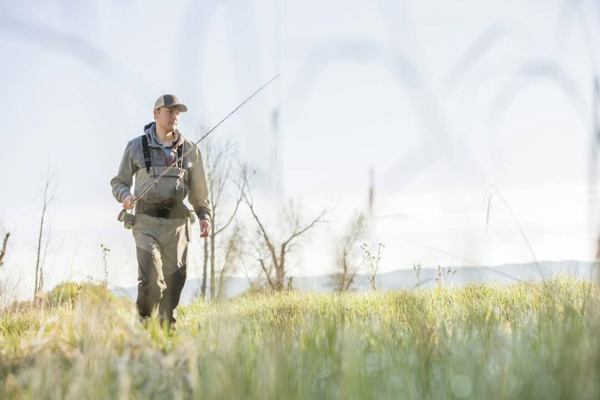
{"type": "Point", "coordinates": [487, 341]}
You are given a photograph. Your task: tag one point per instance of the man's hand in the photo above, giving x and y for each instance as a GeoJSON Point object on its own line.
{"type": "Point", "coordinates": [204, 228]}
{"type": "Point", "coordinates": [128, 202]}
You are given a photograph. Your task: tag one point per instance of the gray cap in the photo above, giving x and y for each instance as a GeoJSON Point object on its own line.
{"type": "Point", "coordinates": [169, 100]}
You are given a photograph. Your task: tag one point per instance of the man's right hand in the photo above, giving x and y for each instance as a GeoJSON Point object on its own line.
{"type": "Point", "coordinates": [128, 202]}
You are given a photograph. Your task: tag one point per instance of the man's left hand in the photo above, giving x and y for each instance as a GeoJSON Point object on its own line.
{"type": "Point", "coordinates": [204, 227]}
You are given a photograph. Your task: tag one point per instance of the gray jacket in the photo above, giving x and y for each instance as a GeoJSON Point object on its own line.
{"type": "Point", "coordinates": [171, 188]}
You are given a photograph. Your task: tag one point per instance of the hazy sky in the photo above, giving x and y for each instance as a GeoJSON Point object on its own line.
{"type": "Point", "coordinates": [443, 100]}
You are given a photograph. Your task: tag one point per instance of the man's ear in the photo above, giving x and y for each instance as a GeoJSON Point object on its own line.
{"type": "Point", "coordinates": [156, 114]}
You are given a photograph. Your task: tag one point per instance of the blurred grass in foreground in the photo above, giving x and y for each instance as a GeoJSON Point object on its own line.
{"type": "Point", "coordinates": [485, 341]}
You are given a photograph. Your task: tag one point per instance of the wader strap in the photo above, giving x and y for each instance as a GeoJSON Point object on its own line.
{"type": "Point", "coordinates": [146, 149]}
{"type": "Point", "coordinates": [179, 158]}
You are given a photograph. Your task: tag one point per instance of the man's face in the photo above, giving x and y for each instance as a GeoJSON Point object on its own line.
{"type": "Point", "coordinates": [167, 118]}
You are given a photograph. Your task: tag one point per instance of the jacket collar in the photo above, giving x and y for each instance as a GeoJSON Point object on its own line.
{"type": "Point", "coordinates": [150, 132]}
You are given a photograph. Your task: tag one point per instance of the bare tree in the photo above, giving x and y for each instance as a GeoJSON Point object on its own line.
{"type": "Point", "coordinates": [3, 251]}
{"type": "Point", "coordinates": [204, 269]}
{"type": "Point", "coordinates": [347, 261]}
{"type": "Point", "coordinates": [270, 253]}
{"type": "Point", "coordinates": [41, 258]}
{"type": "Point", "coordinates": [8, 287]}
{"type": "Point", "coordinates": [219, 166]}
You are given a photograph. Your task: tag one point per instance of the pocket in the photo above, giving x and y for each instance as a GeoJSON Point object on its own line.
{"type": "Point", "coordinates": [140, 182]}
{"type": "Point", "coordinates": [168, 189]}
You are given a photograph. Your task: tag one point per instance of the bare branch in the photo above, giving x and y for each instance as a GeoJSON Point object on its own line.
{"type": "Point", "coordinates": [263, 267]}
{"type": "Point", "coordinates": [301, 231]}
{"type": "Point", "coordinates": [267, 275]}
{"type": "Point", "coordinates": [262, 230]}
{"type": "Point", "coordinates": [40, 260]}
{"type": "Point", "coordinates": [347, 265]}
{"type": "Point", "coordinates": [237, 204]}
{"type": "Point", "coordinates": [3, 252]}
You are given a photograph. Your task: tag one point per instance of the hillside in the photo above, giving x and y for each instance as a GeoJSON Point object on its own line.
{"type": "Point", "coordinates": [407, 278]}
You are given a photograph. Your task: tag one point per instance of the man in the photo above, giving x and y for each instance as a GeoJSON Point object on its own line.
{"type": "Point", "coordinates": [162, 228]}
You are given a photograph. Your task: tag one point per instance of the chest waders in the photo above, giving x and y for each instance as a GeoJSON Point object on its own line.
{"type": "Point", "coordinates": [128, 219]}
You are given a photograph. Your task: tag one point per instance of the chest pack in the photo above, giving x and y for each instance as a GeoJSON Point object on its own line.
{"type": "Point", "coordinates": [148, 159]}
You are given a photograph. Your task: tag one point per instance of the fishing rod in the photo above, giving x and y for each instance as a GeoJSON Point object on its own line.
{"type": "Point", "coordinates": [123, 214]}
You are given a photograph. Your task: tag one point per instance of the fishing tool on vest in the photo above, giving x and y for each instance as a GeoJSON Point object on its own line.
{"type": "Point", "coordinates": [127, 218]}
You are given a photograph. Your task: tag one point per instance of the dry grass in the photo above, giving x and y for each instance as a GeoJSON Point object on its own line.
{"type": "Point", "coordinates": [486, 341]}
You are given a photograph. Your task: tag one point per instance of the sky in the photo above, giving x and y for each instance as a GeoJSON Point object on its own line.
{"type": "Point", "coordinates": [447, 103]}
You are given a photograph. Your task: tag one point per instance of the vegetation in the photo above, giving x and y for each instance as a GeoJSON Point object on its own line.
{"type": "Point", "coordinates": [70, 292]}
{"type": "Point", "coordinates": [481, 341]}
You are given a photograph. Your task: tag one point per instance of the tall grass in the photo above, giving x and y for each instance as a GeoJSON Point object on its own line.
{"type": "Point", "coordinates": [483, 341]}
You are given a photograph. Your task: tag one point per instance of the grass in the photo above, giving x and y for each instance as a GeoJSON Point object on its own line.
{"type": "Point", "coordinates": [483, 341]}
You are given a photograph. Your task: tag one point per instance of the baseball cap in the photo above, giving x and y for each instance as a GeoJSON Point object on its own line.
{"type": "Point", "coordinates": [169, 100]}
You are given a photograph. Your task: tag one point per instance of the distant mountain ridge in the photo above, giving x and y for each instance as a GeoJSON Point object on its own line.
{"type": "Point", "coordinates": [407, 278]}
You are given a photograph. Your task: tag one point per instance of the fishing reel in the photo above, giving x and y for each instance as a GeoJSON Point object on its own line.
{"type": "Point", "coordinates": [128, 219]}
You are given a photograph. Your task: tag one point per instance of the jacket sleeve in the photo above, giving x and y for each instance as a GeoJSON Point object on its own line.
{"type": "Point", "coordinates": [121, 183]}
{"type": "Point", "coordinates": [198, 195]}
